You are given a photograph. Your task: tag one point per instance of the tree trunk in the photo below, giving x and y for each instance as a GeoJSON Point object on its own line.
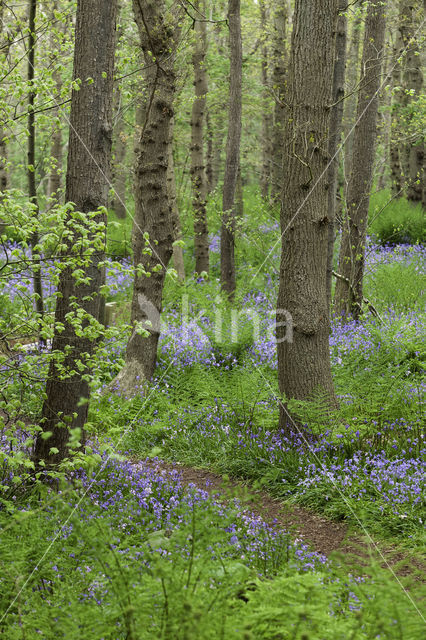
{"type": "Point", "coordinates": [352, 75]}
{"type": "Point", "coordinates": [265, 176]}
{"type": "Point", "coordinates": [413, 84]}
{"type": "Point", "coordinates": [335, 133]}
{"type": "Point", "coordinates": [209, 152]}
{"type": "Point", "coordinates": [218, 136]}
{"type": "Point", "coordinates": [31, 169]}
{"type": "Point", "coordinates": [152, 236]}
{"type": "Point", "coordinates": [227, 241]}
{"type": "Point", "coordinates": [198, 173]}
{"type": "Point", "coordinates": [348, 295]}
{"type": "Point", "coordinates": [119, 168]}
{"type": "Point", "coordinates": [303, 324]}
{"type": "Point", "coordinates": [89, 155]}
{"type": "Point", "coordinates": [177, 229]}
{"type": "Point", "coordinates": [397, 178]}
{"type": "Point", "coordinates": [385, 123]}
{"type": "Point", "coordinates": [55, 172]}
{"type": "Point", "coordinates": [4, 174]}
{"type": "Point", "coordinates": [280, 18]}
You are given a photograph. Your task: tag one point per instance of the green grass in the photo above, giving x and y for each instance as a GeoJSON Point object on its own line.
{"type": "Point", "coordinates": [396, 220]}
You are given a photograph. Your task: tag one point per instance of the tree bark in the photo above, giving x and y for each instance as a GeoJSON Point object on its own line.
{"type": "Point", "coordinates": [397, 177]}
{"type": "Point", "coordinates": [227, 241]}
{"type": "Point", "coordinates": [209, 152]}
{"type": "Point", "coordinates": [89, 155]}
{"type": "Point", "coordinates": [265, 176]}
{"type": "Point", "coordinates": [198, 172]}
{"type": "Point", "coordinates": [280, 18]}
{"type": "Point", "coordinates": [178, 260]}
{"type": "Point", "coordinates": [119, 168]}
{"type": "Point", "coordinates": [352, 74]}
{"type": "Point", "coordinates": [31, 169]}
{"type": "Point", "coordinates": [413, 85]}
{"type": "Point", "coordinates": [4, 174]}
{"type": "Point", "coordinates": [348, 295]}
{"type": "Point", "coordinates": [335, 132]}
{"type": "Point", "coordinates": [55, 172]}
{"type": "Point", "coordinates": [153, 235]}
{"type": "Point", "coordinates": [303, 353]}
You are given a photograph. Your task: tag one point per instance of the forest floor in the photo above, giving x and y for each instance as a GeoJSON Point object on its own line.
{"type": "Point", "coordinates": [343, 545]}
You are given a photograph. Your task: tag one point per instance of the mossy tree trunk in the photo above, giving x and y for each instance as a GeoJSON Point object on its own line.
{"type": "Point", "coordinates": [89, 155]}
{"type": "Point", "coordinates": [227, 238]}
{"type": "Point", "coordinates": [336, 117]}
{"type": "Point", "coordinates": [303, 324]}
{"type": "Point", "coordinates": [153, 233]}
{"type": "Point", "coordinates": [198, 169]}
{"type": "Point", "coordinates": [348, 294]}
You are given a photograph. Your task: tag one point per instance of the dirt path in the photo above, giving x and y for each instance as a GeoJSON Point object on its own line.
{"type": "Point", "coordinates": [333, 539]}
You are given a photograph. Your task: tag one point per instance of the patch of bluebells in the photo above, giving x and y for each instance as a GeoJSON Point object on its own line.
{"type": "Point", "coordinates": [405, 254]}
{"type": "Point", "coordinates": [133, 500]}
{"type": "Point", "coordinates": [393, 478]}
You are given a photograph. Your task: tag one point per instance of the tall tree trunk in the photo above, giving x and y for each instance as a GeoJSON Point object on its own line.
{"type": "Point", "coordinates": [385, 123]}
{"type": "Point", "coordinates": [89, 155]}
{"type": "Point", "coordinates": [55, 170]}
{"type": "Point", "coordinates": [348, 295]}
{"type": "Point", "coordinates": [227, 241]}
{"type": "Point", "coordinates": [119, 168]}
{"type": "Point", "coordinates": [217, 112]}
{"type": "Point", "coordinates": [198, 172]}
{"type": "Point", "coordinates": [153, 235]}
{"type": "Point", "coordinates": [265, 176]}
{"type": "Point", "coordinates": [218, 136]}
{"type": "Point", "coordinates": [280, 18]}
{"type": "Point", "coordinates": [209, 152]}
{"type": "Point", "coordinates": [352, 74]}
{"type": "Point", "coordinates": [4, 174]}
{"type": "Point", "coordinates": [397, 177]}
{"type": "Point", "coordinates": [335, 134]}
{"type": "Point", "coordinates": [31, 169]}
{"type": "Point", "coordinates": [177, 229]}
{"type": "Point", "coordinates": [413, 84]}
{"type": "Point", "coordinates": [303, 352]}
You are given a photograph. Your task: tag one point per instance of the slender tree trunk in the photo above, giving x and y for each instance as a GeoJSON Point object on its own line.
{"type": "Point", "coordinates": [209, 152]}
{"type": "Point", "coordinates": [55, 171]}
{"type": "Point", "coordinates": [119, 166]}
{"type": "Point", "coordinates": [348, 295]}
{"type": "Point", "coordinates": [335, 134]}
{"type": "Point", "coordinates": [89, 155]}
{"type": "Point", "coordinates": [227, 242]}
{"type": "Point", "coordinates": [303, 324]}
{"type": "Point", "coordinates": [178, 260]}
{"type": "Point", "coordinates": [153, 234]}
{"type": "Point", "coordinates": [397, 178]}
{"type": "Point", "coordinates": [352, 75]}
{"type": "Point", "coordinates": [413, 85]}
{"type": "Point", "coordinates": [198, 172]}
{"type": "Point", "coordinates": [239, 197]}
{"type": "Point", "coordinates": [384, 128]}
{"type": "Point", "coordinates": [4, 174]}
{"type": "Point", "coordinates": [265, 177]}
{"type": "Point", "coordinates": [31, 170]}
{"type": "Point", "coordinates": [218, 136]}
{"type": "Point", "coordinates": [280, 19]}
{"type": "Point", "coordinates": [217, 112]}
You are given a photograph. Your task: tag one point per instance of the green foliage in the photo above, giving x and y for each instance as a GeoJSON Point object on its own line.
{"type": "Point", "coordinates": [397, 285]}
{"type": "Point", "coordinates": [395, 220]}
{"type": "Point", "coordinates": [103, 573]}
